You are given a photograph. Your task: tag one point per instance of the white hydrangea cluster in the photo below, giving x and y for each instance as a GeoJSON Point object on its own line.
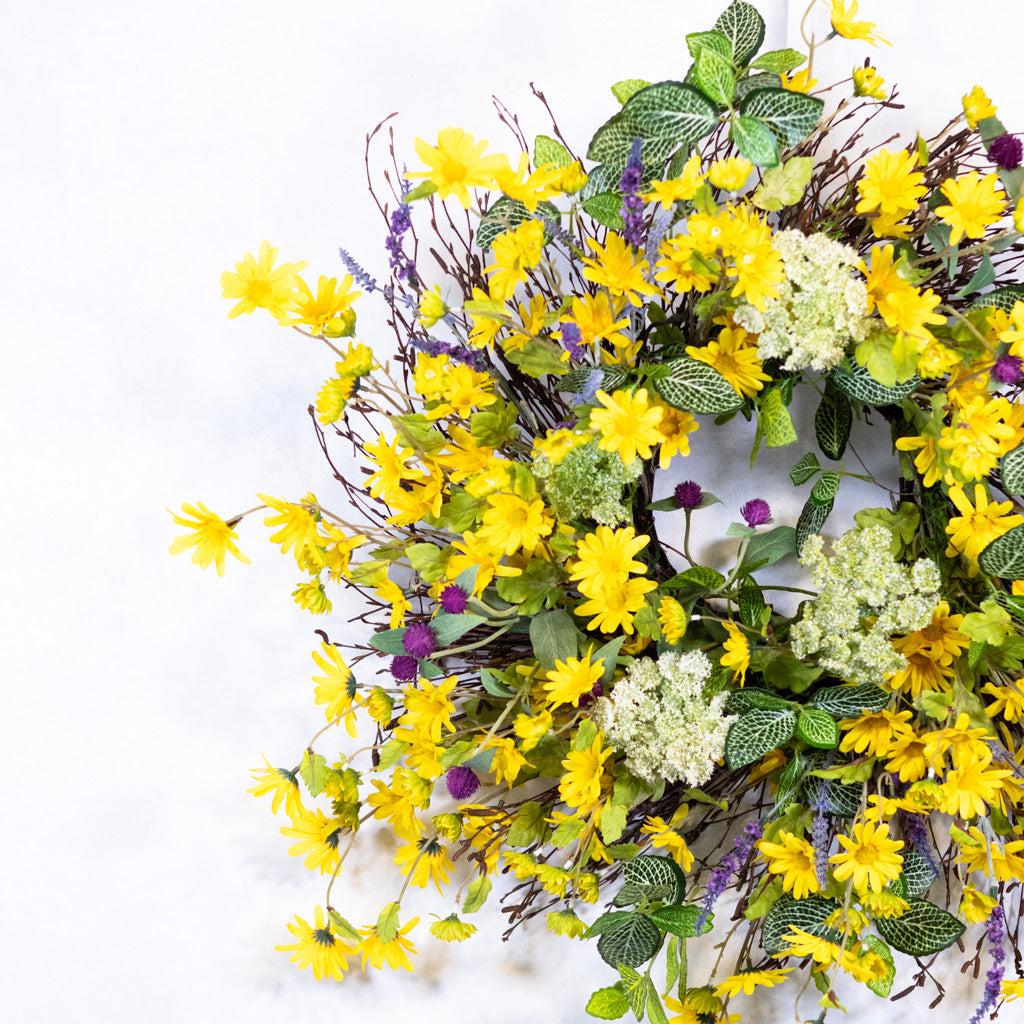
{"type": "Point", "coordinates": [658, 715]}
{"type": "Point", "coordinates": [820, 308]}
{"type": "Point", "coordinates": [866, 598]}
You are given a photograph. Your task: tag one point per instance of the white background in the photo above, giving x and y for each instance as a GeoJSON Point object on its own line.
{"type": "Point", "coordinates": [146, 148]}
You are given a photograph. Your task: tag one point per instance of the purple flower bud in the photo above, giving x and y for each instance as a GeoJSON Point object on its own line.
{"type": "Point", "coordinates": [419, 640]}
{"type": "Point", "coordinates": [1006, 152]}
{"type": "Point", "coordinates": [756, 512]}
{"type": "Point", "coordinates": [404, 668]}
{"type": "Point", "coordinates": [572, 336]}
{"type": "Point", "coordinates": [462, 782]}
{"type": "Point", "coordinates": [688, 494]}
{"type": "Point", "coordinates": [454, 599]}
{"type": "Point", "coordinates": [1007, 370]}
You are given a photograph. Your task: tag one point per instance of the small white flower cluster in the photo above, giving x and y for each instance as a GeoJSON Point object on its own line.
{"type": "Point", "coordinates": [820, 307]}
{"type": "Point", "coordinates": [866, 598]}
{"type": "Point", "coordinates": [658, 715]}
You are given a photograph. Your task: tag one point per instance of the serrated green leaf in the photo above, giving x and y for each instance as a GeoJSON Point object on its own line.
{"type": "Point", "coordinates": [1004, 557]}
{"type": "Point", "coordinates": [832, 422]}
{"type": "Point", "coordinates": [755, 733]}
{"type": "Point", "coordinates": [1011, 471]}
{"type": "Point", "coordinates": [694, 387]}
{"type": "Point", "coordinates": [672, 111]}
{"type": "Point", "coordinates": [808, 914]}
{"type": "Point", "coordinates": [554, 637]}
{"type": "Point", "coordinates": [476, 894]}
{"type": "Point", "coordinates": [681, 921]}
{"type": "Point", "coordinates": [743, 26]}
{"type": "Point", "coordinates": [922, 930]}
{"type": "Point", "coordinates": [633, 942]}
{"type": "Point", "coordinates": [784, 185]}
{"type": "Point", "coordinates": [818, 728]}
{"type": "Point", "coordinates": [827, 487]}
{"type": "Point", "coordinates": [713, 75]}
{"type": "Point", "coordinates": [390, 754]}
{"type": "Point", "coordinates": [650, 877]}
{"type": "Point", "coordinates": [755, 141]}
{"type": "Point", "coordinates": [313, 769]}
{"type": "Point", "coordinates": [626, 88]}
{"type": "Point", "coordinates": [387, 922]}
{"type": "Point", "coordinates": [528, 826]}
{"type": "Point", "coordinates": [343, 929]}
{"type": "Point", "coordinates": [774, 419]}
{"type": "Point", "coordinates": [780, 61]}
{"type": "Point", "coordinates": [882, 986]}
{"type": "Point", "coordinates": [791, 116]}
{"type": "Point", "coordinates": [812, 519]}
{"type": "Point", "coordinates": [850, 701]}
{"type": "Point", "coordinates": [804, 469]}
{"type": "Point", "coordinates": [547, 150]}
{"type": "Point", "coordinates": [606, 208]}
{"type": "Point", "coordinates": [789, 673]}
{"type": "Point", "coordinates": [608, 1003]}
{"type": "Point", "coordinates": [568, 830]}
{"type": "Point", "coordinates": [613, 822]}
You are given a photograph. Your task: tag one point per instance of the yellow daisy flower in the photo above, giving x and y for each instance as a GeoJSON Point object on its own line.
{"type": "Point", "coordinates": [793, 858]}
{"type": "Point", "coordinates": [975, 204]}
{"type": "Point", "coordinates": [257, 284]}
{"type": "Point", "coordinates": [869, 858]}
{"type": "Point", "coordinates": [212, 538]}
{"type": "Point", "coordinates": [317, 946]}
{"type": "Point", "coordinates": [628, 424]}
{"type": "Point", "coordinates": [457, 164]}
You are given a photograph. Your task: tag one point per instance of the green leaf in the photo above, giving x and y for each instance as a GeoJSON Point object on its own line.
{"type": "Point", "coordinates": [421, 191]}
{"type": "Point", "coordinates": [633, 942]}
{"type": "Point", "coordinates": [922, 930]}
{"type": "Point", "coordinates": [832, 422]}
{"type": "Point", "coordinates": [313, 769]}
{"type": "Point", "coordinates": [693, 386]}
{"type": "Point", "coordinates": [984, 276]}
{"type": "Point", "coordinates": [1004, 557]}
{"type": "Point", "coordinates": [882, 986]}
{"type": "Point", "coordinates": [495, 427]}
{"type": "Point", "coordinates": [713, 75]}
{"type": "Point", "coordinates": [698, 41]}
{"type": "Point", "coordinates": [493, 685]}
{"type": "Point", "coordinates": [1004, 298]}
{"type": "Point", "coordinates": [449, 628]}
{"type": "Point", "coordinates": [649, 877]}
{"type": "Point", "coordinates": [507, 214]}
{"type": "Point", "coordinates": [818, 728]}
{"type": "Point", "coordinates": [538, 586]}
{"type": "Point", "coordinates": [780, 61]}
{"type": "Point", "coordinates": [699, 576]}
{"type": "Point", "coordinates": [850, 701]}
{"type": "Point", "coordinates": [635, 987]}
{"type": "Point", "coordinates": [547, 150]}
{"type": "Point", "coordinates": [812, 519]}
{"type": "Point", "coordinates": [476, 894]}
{"type": "Point", "coordinates": [741, 24]}
{"type": "Point", "coordinates": [613, 822]}
{"type": "Point", "coordinates": [605, 208]}
{"type": "Point", "coordinates": [789, 782]}
{"type": "Point", "coordinates": [789, 673]}
{"type": "Point", "coordinates": [554, 637]}
{"type": "Point", "coordinates": [390, 754]}
{"type": "Point", "coordinates": [655, 1011]}
{"type": "Point", "coordinates": [768, 548]}
{"type": "Point", "coordinates": [389, 641]}
{"type": "Point", "coordinates": [609, 378]}
{"type": "Point", "coordinates": [624, 89]}
{"type": "Point", "coordinates": [784, 184]}
{"type": "Point", "coordinates": [459, 513]}
{"type": "Point", "coordinates": [854, 380]}
{"type": "Point", "coordinates": [774, 419]}
{"type": "Point", "coordinates": [672, 962]}
{"type": "Point", "coordinates": [568, 830]}
{"type": "Point", "coordinates": [681, 921]}
{"type": "Point", "coordinates": [1011, 471]}
{"type": "Point", "coordinates": [387, 922]}
{"type": "Point", "coordinates": [428, 560]}
{"type": "Point", "coordinates": [826, 489]}
{"type": "Point", "coordinates": [755, 733]}
{"type": "Point", "coordinates": [539, 358]}
{"type": "Point", "coordinates": [672, 111]}
{"type": "Point", "coordinates": [918, 874]}
{"type": "Point", "coordinates": [608, 922]}
{"type": "Point", "coordinates": [808, 914]}
{"type": "Point", "coordinates": [738, 702]}
{"type": "Point", "coordinates": [804, 469]}
{"type": "Point", "coordinates": [791, 116]}
{"type": "Point", "coordinates": [529, 825]}
{"type": "Point", "coordinates": [755, 141]}
{"type": "Point", "coordinates": [752, 607]}
{"type": "Point", "coordinates": [343, 928]}
{"type": "Point", "coordinates": [608, 1003]}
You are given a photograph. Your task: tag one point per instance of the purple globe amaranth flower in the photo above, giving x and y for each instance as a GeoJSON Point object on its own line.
{"type": "Point", "coordinates": [1006, 152]}
{"type": "Point", "coordinates": [403, 668]}
{"type": "Point", "coordinates": [1007, 370]}
{"type": "Point", "coordinates": [597, 690]}
{"type": "Point", "coordinates": [454, 599]}
{"type": "Point", "coordinates": [420, 640]}
{"type": "Point", "coordinates": [688, 494]}
{"type": "Point", "coordinates": [756, 512]}
{"type": "Point", "coordinates": [462, 782]}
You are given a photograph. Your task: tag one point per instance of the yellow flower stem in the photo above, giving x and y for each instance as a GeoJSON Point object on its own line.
{"type": "Point", "coordinates": [235, 520]}
{"type": "Point", "coordinates": [513, 703]}
{"type": "Point", "coordinates": [319, 337]}
{"type": "Point", "coordinates": [984, 247]}
{"type": "Point", "coordinates": [950, 311]}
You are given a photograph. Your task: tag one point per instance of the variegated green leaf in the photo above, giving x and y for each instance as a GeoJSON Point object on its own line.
{"type": "Point", "coordinates": [854, 380]}
{"type": "Point", "coordinates": [882, 986]}
{"type": "Point", "coordinates": [613, 141]}
{"type": "Point", "coordinates": [608, 1003]}
{"type": "Point", "coordinates": [922, 930]}
{"type": "Point", "coordinates": [752, 606]}
{"type": "Point", "coordinates": [633, 943]}
{"type": "Point", "coordinates": [1004, 557]}
{"type": "Point", "coordinates": [506, 215]}
{"type": "Point", "coordinates": [775, 420]}
{"type": "Point", "coordinates": [671, 110]}
{"type": "Point", "coordinates": [699, 576]}
{"type": "Point", "coordinates": [611, 378]}
{"type": "Point", "coordinates": [755, 141]}
{"type": "Point", "coordinates": [808, 914]}
{"type": "Point", "coordinates": [791, 116]}
{"type": "Point", "coordinates": [850, 701]}
{"type": "Point", "coordinates": [697, 388]}
{"type": "Point", "coordinates": [1004, 298]}
{"type": "Point", "coordinates": [789, 781]}
{"type": "Point", "coordinates": [655, 1011]}
{"type": "Point", "coordinates": [812, 519]}
{"type": "Point", "coordinates": [745, 86]}
{"type": "Point", "coordinates": [743, 26]}
{"type": "Point", "coordinates": [755, 733]}
{"type": "Point", "coordinates": [738, 702]}
{"type": "Point", "coordinates": [832, 422]}
{"type": "Point", "coordinates": [714, 76]}
{"type": "Point", "coordinates": [547, 150]}
{"type": "Point", "coordinates": [918, 874]}
{"type": "Point", "coordinates": [606, 208]}
{"type": "Point", "coordinates": [697, 41]}
{"type": "Point", "coordinates": [1011, 471]}
{"type": "Point", "coordinates": [624, 89]}
{"type": "Point", "coordinates": [827, 487]}
{"type": "Point", "coordinates": [818, 728]}
{"type": "Point", "coordinates": [649, 877]}
{"type": "Point", "coordinates": [804, 469]}
{"type": "Point", "coordinates": [635, 987]}
{"type": "Point", "coordinates": [681, 921]}
{"type": "Point", "coordinates": [779, 60]}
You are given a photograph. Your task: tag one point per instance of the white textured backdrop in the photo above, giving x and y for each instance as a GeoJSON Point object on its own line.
{"type": "Point", "coordinates": [145, 149]}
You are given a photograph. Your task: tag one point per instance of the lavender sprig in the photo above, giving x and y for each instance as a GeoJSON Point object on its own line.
{"type": "Point", "coordinates": [730, 864]}
{"type": "Point", "coordinates": [361, 277]}
{"type": "Point", "coordinates": [994, 978]}
{"type": "Point", "coordinates": [458, 353]}
{"type": "Point", "coordinates": [402, 265]}
{"type": "Point", "coordinates": [632, 205]}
